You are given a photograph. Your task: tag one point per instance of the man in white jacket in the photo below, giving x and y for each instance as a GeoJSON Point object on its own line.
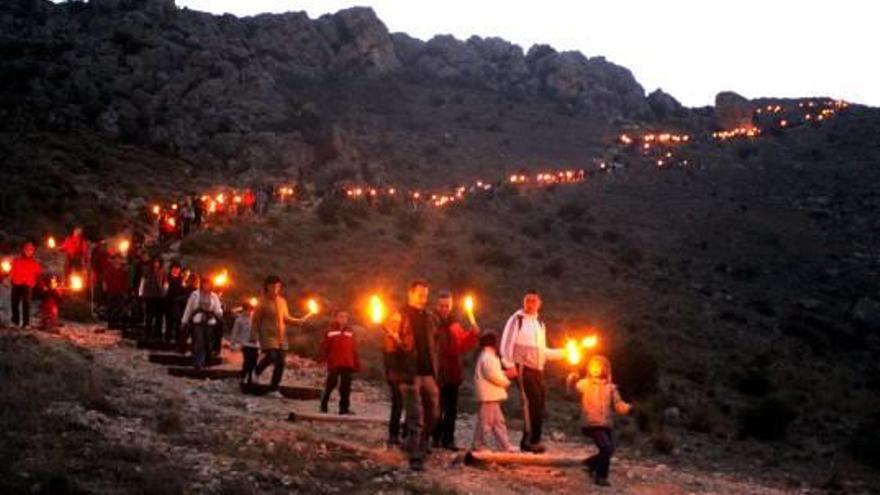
{"type": "Point", "coordinates": [524, 346]}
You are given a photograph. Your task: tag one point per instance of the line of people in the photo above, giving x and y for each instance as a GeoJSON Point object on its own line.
{"type": "Point", "coordinates": [423, 356]}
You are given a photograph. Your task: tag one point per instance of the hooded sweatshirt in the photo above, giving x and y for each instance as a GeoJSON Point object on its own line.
{"type": "Point", "coordinates": [600, 399]}
{"type": "Point", "coordinates": [490, 382]}
{"type": "Point", "coordinates": [526, 344]}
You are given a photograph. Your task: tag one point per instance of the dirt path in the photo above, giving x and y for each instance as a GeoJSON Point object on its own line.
{"type": "Point", "coordinates": [231, 443]}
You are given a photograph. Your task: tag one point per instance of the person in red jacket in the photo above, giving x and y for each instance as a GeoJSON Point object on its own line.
{"type": "Point", "coordinates": [116, 287]}
{"type": "Point", "coordinates": [339, 351]}
{"type": "Point", "coordinates": [453, 341]}
{"type": "Point", "coordinates": [76, 252]}
{"type": "Point", "coordinates": [24, 275]}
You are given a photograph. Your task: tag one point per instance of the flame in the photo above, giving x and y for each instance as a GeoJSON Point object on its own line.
{"type": "Point", "coordinates": [157, 209]}
{"type": "Point", "coordinates": [254, 302]}
{"type": "Point", "coordinates": [123, 246]}
{"type": "Point", "coordinates": [590, 341]}
{"type": "Point", "coordinates": [572, 352]}
{"type": "Point", "coordinates": [221, 279]}
{"type": "Point", "coordinates": [469, 304]}
{"type": "Point", "coordinates": [50, 242]}
{"type": "Point", "coordinates": [6, 266]}
{"type": "Point", "coordinates": [76, 282]}
{"type": "Point", "coordinates": [171, 222]}
{"type": "Point", "coordinates": [312, 306]}
{"type": "Point", "coordinates": [377, 309]}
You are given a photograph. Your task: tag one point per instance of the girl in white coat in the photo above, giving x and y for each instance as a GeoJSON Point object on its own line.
{"type": "Point", "coordinates": [490, 383]}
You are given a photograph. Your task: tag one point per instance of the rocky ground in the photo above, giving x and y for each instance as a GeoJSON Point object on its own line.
{"type": "Point", "coordinates": [223, 442]}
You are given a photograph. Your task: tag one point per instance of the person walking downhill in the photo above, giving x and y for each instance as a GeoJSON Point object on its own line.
{"type": "Point", "coordinates": [175, 302]}
{"type": "Point", "coordinates": [490, 384]}
{"type": "Point", "coordinates": [116, 289]}
{"type": "Point", "coordinates": [23, 276]}
{"type": "Point", "coordinates": [153, 286]}
{"type": "Point", "coordinates": [243, 338]}
{"type": "Point", "coordinates": [453, 342]}
{"type": "Point", "coordinates": [201, 316]}
{"type": "Point", "coordinates": [76, 253]}
{"type": "Point", "coordinates": [339, 351]}
{"type": "Point", "coordinates": [600, 399]}
{"type": "Point", "coordinates": [524, 346]}
{"type": "Point", "coordinates": [270, 324]}
{"type": "Point", "coordinates": [412, 332]}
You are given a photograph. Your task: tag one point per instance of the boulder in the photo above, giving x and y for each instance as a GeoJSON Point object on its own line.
{"type": "Point", "coordinates": [733, 110]}
{"type": "Point", "coordinates": [364, 44]}
{"type": "Point", "coordinates": [664, 105]}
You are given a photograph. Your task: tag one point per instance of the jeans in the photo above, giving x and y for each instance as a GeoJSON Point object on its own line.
{"type": "Point", "coordinates": [275, 357]}
{"type": "Point", "coordinates": [600, 463]}
{"type": "Point", "coordinates": [21, 304]}
{"type": "Point", "coordinates": [491, 424]}
{"type": "Point", "coordinates": [201, 343]}
{"type": "Point", "coordinates": [173, 315]}
{"type": "Point", "coordinates": [396, 410]}
{"type": "Point", "coordinates": [334, 377]}
{"type": "Point", "coordinates": [445, 431]}
{"type": "Point", "coordinates": [249, 357]}
{"type": "Point", "coordinates": [533, 394]}
{"type": "Point", "coordinates": [421, 401]}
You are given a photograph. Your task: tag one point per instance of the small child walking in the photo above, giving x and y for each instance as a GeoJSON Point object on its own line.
{"type": "Point", "coordinates": [51, 295]}
{"type": "Point", "coordinates": [490, 383]}
{"type": "Point", "coordinates": [248, 341]}
{"type": "Point", "coordinates": [600, 399]}
{"type": "Point", "coordinates": [339, 351]}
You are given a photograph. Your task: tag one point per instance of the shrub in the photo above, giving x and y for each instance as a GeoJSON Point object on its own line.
{"type": "Point", "coordinates": [483, 237]}
{"type": "Point", "coordinates": [329, 211]}
{"type": "Point", "coordinates": [636, 369]}
{"type": "Point", "coordinates": [571, 211]}
{"type": "Point", "coordinates": [768, 419]}
{"type": "Point", "coordinates": [495, 256]}
{"type": "Point", "coordinates": [663, 443]}
{"type": "Point", "coordinates": [580, 233]}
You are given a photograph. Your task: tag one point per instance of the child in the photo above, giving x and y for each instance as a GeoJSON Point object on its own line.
{"type": "Point", "coordinates": [339, 350]}
{"type": "Point", "coordinates": [49, 306]}
{"type": "Point", "coordinates": [490, 383]}
{"type": "Point", "coordinates": [599, 401]}
{"type": "Point", "coordinates": [248, 341]}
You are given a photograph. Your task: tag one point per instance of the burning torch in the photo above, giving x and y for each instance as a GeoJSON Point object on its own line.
{"type": "Point", "coordinates": [469, 310]}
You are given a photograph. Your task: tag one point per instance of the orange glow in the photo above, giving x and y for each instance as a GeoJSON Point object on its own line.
{"type": "Point", "coordinates": [312, 306]}
{"type": "Point", "coordinates": [124, 245]}
{"type": "Point", "coordinates": [6, 265]}
{"type": "Point", "coordinates": [50, 243]}
{"type": "Point", "coordinates": [254, 302]}
{"type": "Point", "coordinates": [590, 341]}
{"type": "Point", "coordinates": [171, 222]}
{"type": "Point", "coordinates": [221, 279]}
{"type": "Point", "coordinates": [157, 209]}
{"type": "Point", "coordinates": [377, 309]}
{"type": "Point", "coordinates": [221, 198]}
{"type": "Point", "coordinates": [76, 282]}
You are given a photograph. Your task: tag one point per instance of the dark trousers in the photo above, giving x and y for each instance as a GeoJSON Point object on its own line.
{"type": "Point", "coordinates": [155, 309]}
{"type": "Point", "coordinates": [445, 431]}
{"type": "Point", "coordinates": [341, 377]}
{"type": "Point", "coordinates": [115, 311]}
{"type": "Point", "coordinates": [201, 344]}
{"type": "Point", "coordinates": [173, 315]}
{"type": "Point", "coordinates": [276, 358]}
{"type": "Point", "coordinates": [534, 394]}
{"type": "Point", "coordinates": [396, 410]}
{"type": "Point", "coordinates": [600, 463]}
{"type": "Point", "coordinates": [21, 304]}
{"type": "Point", "coordinates": [249, 357]}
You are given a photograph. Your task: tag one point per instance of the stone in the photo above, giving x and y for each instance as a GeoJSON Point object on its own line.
{"type": "Point", "coordinates": [733, 110]}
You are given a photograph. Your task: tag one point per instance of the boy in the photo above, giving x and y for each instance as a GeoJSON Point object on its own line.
{"type": "Point", "coordinates": [248, 342]}
{"type": "Point", "coordinates": [339, 351]}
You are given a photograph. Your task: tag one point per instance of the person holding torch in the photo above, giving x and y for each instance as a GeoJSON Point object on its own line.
{"type": "Point", "coordinates": [524, 347]}
{"type": "Point", "coordinates": [24, 273]}
{"type": "Point", "coordinates": [270, 324]}
{"type": "Point", "coordinates": [453, 341]}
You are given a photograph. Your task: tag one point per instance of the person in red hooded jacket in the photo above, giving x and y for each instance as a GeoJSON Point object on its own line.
{"type": "Point", "coordinates": [24, 275]}
{"type": "Point", "coordinates": [339, 351]}
{"type": "Point", "coordinates": [453, 341]}
{"type": "Point", "coordinates": [76, 252]}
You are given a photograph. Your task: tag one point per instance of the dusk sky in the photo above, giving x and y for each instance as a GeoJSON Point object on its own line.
{"type": "Point", "coordinates": [691, 49]}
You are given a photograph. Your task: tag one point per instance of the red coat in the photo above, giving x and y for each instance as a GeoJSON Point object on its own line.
{"type": "Point", "coordinates": [25, 271]}
{"type": "Point", "coordinates": [339, 349]}
{"type": "Point", "coordinates": [453, 342]}
{"type": "Point", "coordinates": [116, 280]}
{"type": "Point", "coordinates": [75, 247]}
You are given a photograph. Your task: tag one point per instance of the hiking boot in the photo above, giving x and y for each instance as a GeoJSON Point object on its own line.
{"type": "Point", "coordinates": [275, 394]}
{"type": "Point", "coordinates": [602, 482]}
{"type": "Point", "coordinates": [324, 408]}
{"type": "Point", "coordinates": [534, 448]}
{"type": "Point", "coordinates": [451, 447]}
{"type": "Point", "coordinates": [348, 412]}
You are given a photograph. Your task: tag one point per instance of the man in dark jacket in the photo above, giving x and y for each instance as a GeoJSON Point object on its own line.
{"type": "Point", "coordinates": [453, 341]}
{"type": "Point", "coordinates": [152, 291]}
{"type": "Point", "coordinates": [412, 343]}
{"type": "Point", "coordinates": [175, 302]}
{"type": "Point", "coordinates": [339, 351]}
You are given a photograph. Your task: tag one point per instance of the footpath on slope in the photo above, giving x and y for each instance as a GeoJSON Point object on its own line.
{"type": "Point", "coordinates": [247, 439]}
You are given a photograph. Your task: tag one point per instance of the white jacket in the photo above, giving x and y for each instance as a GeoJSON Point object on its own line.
{"type": "Point", "coordinates": [241, 332]}
{"type": "Point", "coordinates": [490, 382]}
{"type": "Point", "coordinates": [527, 344]}
{"type": "Point", "coordinates": [210, 304]}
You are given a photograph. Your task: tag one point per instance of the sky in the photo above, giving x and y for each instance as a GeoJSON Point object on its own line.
{"type": "Point", "coordinates": [691, 49]}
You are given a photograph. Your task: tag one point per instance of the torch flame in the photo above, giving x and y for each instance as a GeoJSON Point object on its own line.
{"type": "Point", "coordinates": [157, 209]}
{"type": "Point", "coordinates": [469, 304]}
{"type": "Point", "coordinates": [377, 309]}
{"type": "Point", "coordinates": [50, 242]}
{"type": "Point", "coordinates": [221, 279]}
{"type": "Point", "coordinates": [590, 341]}
{"type": "Point", "coordinates": [572, 352]}
{"type": "Point", "coordinates": [312, 306]}
{"type": "Point", "coordinates": [76, 282]}
{"type": "Point", "coordinates": [6, 265]}
{"type": "Point", "coordinates": [253, 302]}
{"type": "Point", "coordinates": [123, 246]}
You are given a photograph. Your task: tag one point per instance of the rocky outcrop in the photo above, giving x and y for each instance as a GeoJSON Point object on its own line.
{"type": "Point", "coordinates": [665, 105]}
{"type": "Point", "coordinates": [361, 42]}
{"type": "Point", "coordinates": [733, 110]}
